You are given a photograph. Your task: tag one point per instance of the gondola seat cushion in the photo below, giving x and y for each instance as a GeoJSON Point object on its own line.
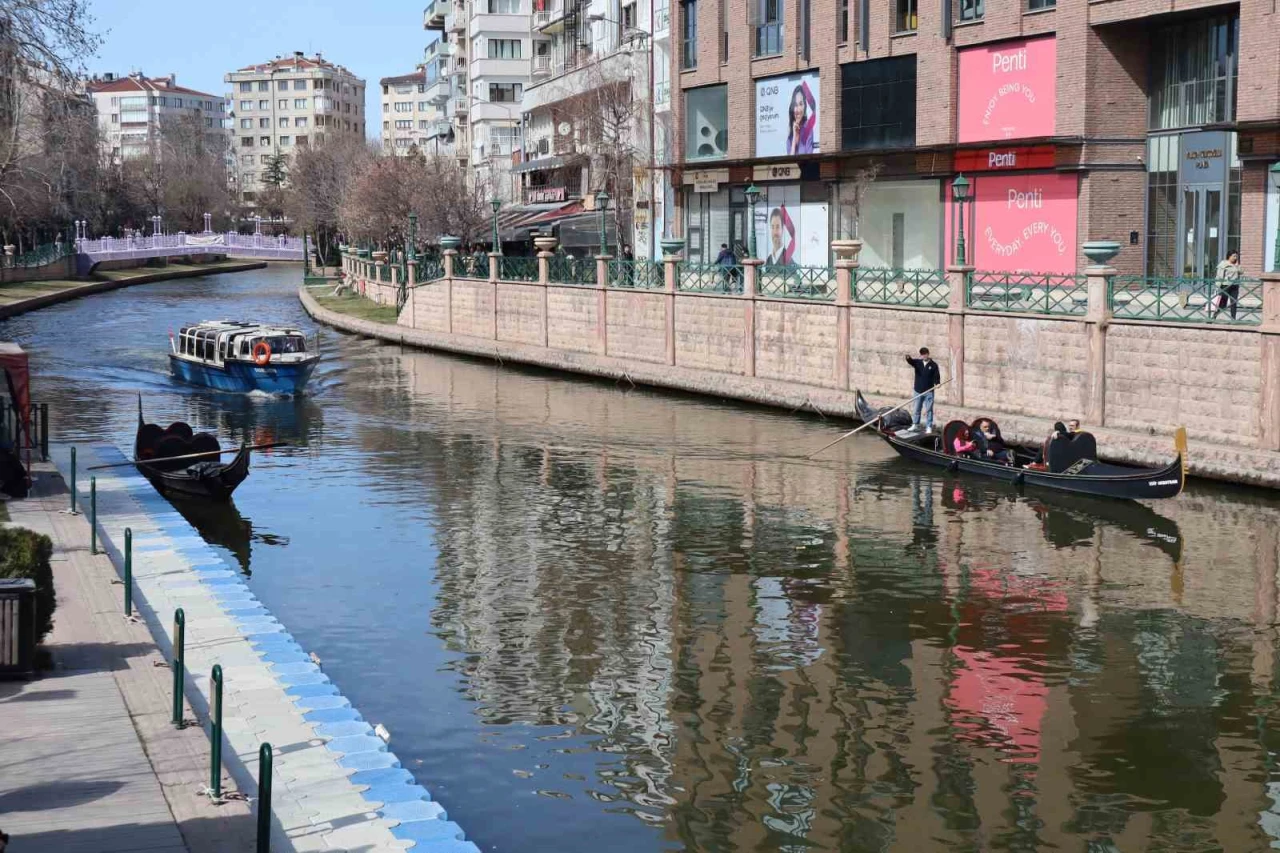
{"type": "Point", "coordinates": [1065, 451]}
{"type": "Point", "coordinates": [149, 436]}
{"type": "Point", "coordinates": [203, 442]}
{"type": "Point", "coordinates": [949, 433]}
{"type": "Point", "coordinates": [171, 445]}
{"type": "Point", "coordinates": [180, 429]}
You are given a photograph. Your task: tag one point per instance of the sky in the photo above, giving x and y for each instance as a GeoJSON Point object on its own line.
{"type": "Point", "coordinates": [202, 42]}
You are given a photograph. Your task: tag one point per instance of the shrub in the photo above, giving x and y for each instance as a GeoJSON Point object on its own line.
{"type": "Point", "coordinates": [25, 554]}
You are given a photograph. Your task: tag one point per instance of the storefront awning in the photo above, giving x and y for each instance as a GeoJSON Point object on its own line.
{"type": "Point", "coordinates": [542, 164]}
{"type": "Point", "coordinates": [541, 219]}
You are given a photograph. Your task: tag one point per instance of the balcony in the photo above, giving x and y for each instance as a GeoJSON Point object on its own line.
{"type": "Point", "coordinates": [433, 15]}
{"type": "Point", "coordinates": [499, 68]}
{"type": "Point", "coordinates": [437, 93]}
{"type": "Point", "coordinates": [440, 127]}
{"type": "Point", "coordinates": [432, 51]}
{"type": "Point", "coordinates": [456, 20]}
{"type": "Point", "coordinates": [550, 18]}
{"type": "Point", "coordinates": [542, 65]}
{"type": "Point", "coordinates": [458, 106]}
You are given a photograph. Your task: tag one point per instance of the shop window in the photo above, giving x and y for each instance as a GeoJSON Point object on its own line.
{"type": "Point", "coordinates": [768, 27]}
{"type": "Point", "coordinates": [905, 20]}
{"type": "Point", "coordinates": [707, 123]}
{"type": "Point", "coordinates": [878, 100]}
{"type": "Point", "coordinates": [1193, 73]}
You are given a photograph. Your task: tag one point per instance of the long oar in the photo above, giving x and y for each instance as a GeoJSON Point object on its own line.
{"type": "Point", "coordinates": [204, 455]}
{"type": "Point", "coordinates": [858, 429]}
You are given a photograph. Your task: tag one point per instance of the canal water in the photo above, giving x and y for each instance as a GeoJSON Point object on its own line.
{"type": "Point", "coordinates": [599, 618]}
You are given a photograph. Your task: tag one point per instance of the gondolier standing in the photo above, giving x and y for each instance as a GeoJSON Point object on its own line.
{"type": "Point", "coordinates": [927, 378]}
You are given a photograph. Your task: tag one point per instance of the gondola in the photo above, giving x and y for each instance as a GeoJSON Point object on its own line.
{"type": "Point", "coordinates": [1066, 463]}
{"type": "Point", "coordinates": [204, 479]}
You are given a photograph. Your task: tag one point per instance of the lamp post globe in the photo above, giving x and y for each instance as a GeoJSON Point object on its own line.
{"type": "Point", "coordinates": [960, 193]}
{"type": "Point", "coordinates": [753, 196]}
{"type": "Point", "coordinates": [602, 203]}
{"type": "Point", "coordinates": [496, 204]}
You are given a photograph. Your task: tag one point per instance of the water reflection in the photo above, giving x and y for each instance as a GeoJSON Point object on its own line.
{"type": "Point", "coordinates": [589, 614]}
{"type": "Point", "coordinates": [221, 524]}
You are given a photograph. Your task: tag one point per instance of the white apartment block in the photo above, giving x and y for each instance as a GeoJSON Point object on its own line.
{"type": "Point", "coordinates": [580, 47]}
{"type": "Point", "coordinates": [487, 67]}
{"type": "Point", "coordinates": [133, 109]}
{"type": "Point", "coordinates": [287, 103]}
{"type": "Point", "coordinates": [410, 120]}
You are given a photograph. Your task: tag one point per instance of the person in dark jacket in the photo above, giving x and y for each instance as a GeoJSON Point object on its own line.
{"type": "Point", "coordinates": [927, 378]}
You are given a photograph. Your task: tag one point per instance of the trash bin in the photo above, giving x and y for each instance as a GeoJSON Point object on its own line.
{"type": "Point", "coordinates": [17, 628]}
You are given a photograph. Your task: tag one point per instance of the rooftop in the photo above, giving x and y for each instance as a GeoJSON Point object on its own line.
{"type": "Point", "coordinates": [138, 82]}
{"type": "Point", "coordinates": [416, 77]}
{"type": "Point", "coordinates": [296, 62]}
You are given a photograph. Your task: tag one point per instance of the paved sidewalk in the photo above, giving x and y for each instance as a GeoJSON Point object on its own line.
{"type": "Point", "coordinates": [88, 758]}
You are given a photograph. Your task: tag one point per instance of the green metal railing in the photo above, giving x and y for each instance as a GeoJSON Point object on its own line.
{"type": "Point", "coordinates": [430, 269]}
{"type": "Point", "coordinates": [41, 255]}
{"type": "Point", "coordinates": [1028, 293]}
{"type": "Point", "coordinates": [797, 282]}
{"type": "Point", "coordinates": [1186, 300]}
{"type": "Point", "coordinates": [33, 432]}
{"type": "Point", "coordinates": [637, 274]}
{"type": "Point", "coordinates": [709, 278]}
{"type": "Point", "coordinates": [564, 269]}
{"type": "Point", "coordinates": [885, 286]}
{"type": "Point", "coordinates": [517, 269]}
{"type": "Point", "coordinates": [471, 266]}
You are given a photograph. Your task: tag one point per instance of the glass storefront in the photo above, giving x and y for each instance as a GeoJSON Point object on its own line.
{"type": "Point", "coordinates": [899, 222]}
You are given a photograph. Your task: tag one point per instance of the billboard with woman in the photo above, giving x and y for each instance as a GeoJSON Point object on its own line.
{"type": "Point", "coordinates": [787, 115]}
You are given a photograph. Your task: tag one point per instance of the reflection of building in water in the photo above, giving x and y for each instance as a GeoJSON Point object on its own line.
{"type": "Point", "coordinates": [790, 656]}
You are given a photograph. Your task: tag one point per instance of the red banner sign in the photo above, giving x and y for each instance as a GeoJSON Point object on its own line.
{"type": "Point", "coordinates": [1006, 159]}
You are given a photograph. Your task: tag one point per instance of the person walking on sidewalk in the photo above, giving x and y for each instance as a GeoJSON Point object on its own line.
{"type": "Point", "coordinates": [1228, 281]}
{"type": "Point", "coordinates": [927, 378]}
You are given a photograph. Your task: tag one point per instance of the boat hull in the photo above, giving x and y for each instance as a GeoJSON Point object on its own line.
{"type": "Point", "coordinates": [243, 377]}
{"type": "Point", "coordinates": [215, 487]}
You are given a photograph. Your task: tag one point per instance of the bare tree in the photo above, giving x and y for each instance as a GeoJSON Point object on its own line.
{"type": "Point", "coordinates": [385, 190]}
{"type": "Point", "coordinates": [320, 178]}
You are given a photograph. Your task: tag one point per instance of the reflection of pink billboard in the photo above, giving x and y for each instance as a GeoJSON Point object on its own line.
{"type": "Point", "coordinates": [1020, 223]}
{"type": "Point", "coordinates": [1008, 90]}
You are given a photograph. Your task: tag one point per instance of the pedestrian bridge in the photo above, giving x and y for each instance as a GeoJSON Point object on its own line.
{"type": "Point", "coordinates": [90, 253]}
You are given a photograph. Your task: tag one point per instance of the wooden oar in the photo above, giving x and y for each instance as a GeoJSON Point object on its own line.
{"type": "Point", "coordinates": [204, 455]}
{"type": "Point", "coordinates": [858, 429]}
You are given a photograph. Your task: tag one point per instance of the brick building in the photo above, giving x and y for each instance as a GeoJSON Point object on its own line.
{"type": "Point", "coordinates": [1152, 124]}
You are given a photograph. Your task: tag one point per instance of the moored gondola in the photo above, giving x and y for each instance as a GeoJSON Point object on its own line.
{"type": "Point", "coordinates": [1067, 463]}
{"type": "Point", "coordinates": [206, 478]}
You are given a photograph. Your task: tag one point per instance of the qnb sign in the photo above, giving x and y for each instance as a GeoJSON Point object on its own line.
{"type": "Point", "coordinates": [1008, 90]}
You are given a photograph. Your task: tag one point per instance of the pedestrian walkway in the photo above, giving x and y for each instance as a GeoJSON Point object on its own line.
{"type": "Point", "coordinates": [336, 786]}
{"type": "Point", "coordinates": [74, 768]}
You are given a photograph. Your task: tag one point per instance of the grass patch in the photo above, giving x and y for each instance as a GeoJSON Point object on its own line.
{"type": "Point", "coordinates": [357, 306]}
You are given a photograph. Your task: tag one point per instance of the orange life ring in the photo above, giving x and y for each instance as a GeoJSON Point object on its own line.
{"type": "Point", "coordinates": [262, 353]}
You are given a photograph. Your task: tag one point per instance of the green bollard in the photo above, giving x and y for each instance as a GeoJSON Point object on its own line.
{"type": "Point", "coordinates": [215, 737]}
{"type": "Point", "coordinates": [73, 480]}
{"type": "Point", "coordinates": [93, 516]}
{"type": "Point", "coordinates": [128, 571]}
{"type": "Point", "coordinates": [179, 662]}
{"type": "Point", "coordinates": [44, 431]}
{"type": "Point", "coordinates": [264, 798]}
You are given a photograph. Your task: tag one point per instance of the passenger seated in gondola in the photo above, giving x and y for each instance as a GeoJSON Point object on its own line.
{"type": "Point", "coordinates": [963, 444]}
{"type": "Point", "coordinates": [990, 443]}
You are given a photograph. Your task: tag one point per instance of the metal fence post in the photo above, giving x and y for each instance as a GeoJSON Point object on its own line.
{"type": "Point", "coordinates": [264, 798]}
{"type": "Point", "coordinates": [44, 431]}
{"type": "Point", "coordinates": [93, 515]}
{"type": "Point", "coordinates": [215, 738]}
{"type": "Point", "coordinates": [179, 662]}
{"type": "Point", "coordinates": [73, 480]}
{"type": "Point", "coordinates": [128, 571]}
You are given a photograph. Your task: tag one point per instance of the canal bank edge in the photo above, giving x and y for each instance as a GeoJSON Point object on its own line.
{"type": "Point", "coordinates": [1229, 463]}
{"type": "Point", "coordinates": [89, 288]}
{"type": "Point", "coordinates": [337, 786]}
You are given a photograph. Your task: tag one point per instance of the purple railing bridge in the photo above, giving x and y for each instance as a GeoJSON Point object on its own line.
{"type": "Point", "coordinates": [259, 246]}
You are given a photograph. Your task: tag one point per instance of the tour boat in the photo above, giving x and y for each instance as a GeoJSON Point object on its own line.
{"type": "Point", "coordinates": [1067, 463]}
{"type": "Point", "coordinates": [164, 456]}
{"type": "Point", "coordinates": [235, 356]}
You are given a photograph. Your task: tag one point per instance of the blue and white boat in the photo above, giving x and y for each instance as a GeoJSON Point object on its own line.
{"type": "Point", "coordinates": [233, 356]}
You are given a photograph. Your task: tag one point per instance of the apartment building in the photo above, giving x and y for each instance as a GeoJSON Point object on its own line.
{"type": "Point", "coordinates": [408, 119]}
{"type": "Point", "coordinates": [133, 109]}
{"type": "Point", "coordinates": [287, 103]}
{"type": "Point", "coordinates": [484, 72]}
{"type": "Point", "coordinates": [597, 117]}
{"type": "Point", "coordinates": [1154, 124]}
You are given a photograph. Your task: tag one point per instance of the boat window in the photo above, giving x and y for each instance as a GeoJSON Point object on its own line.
{"type": "Point", "coordinates": [222, 350]}
{"type": "Point", "coordinates": [287, 344]}
{"type": "Point", "coordinates": [208, 349]}
{"type": "Point", "coordinates": [244, 346]}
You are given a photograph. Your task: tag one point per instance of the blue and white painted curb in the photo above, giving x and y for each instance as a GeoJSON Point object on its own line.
{"type": "Point", "coordinates": [336, 785]}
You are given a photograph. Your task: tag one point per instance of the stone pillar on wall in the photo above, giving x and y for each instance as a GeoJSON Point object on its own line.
{"type": "Point", "coordinates": [846, 252]}
{"type": "Point", "coordinates": [671, 274]}
{"type": "Point", "coordinates": [602, 303]}
{"type": "Point", "coordinates": [546, 246]}
{"type": "Point", "coordinates": [750, 287]}
{"type": "Point", "coordinates": [1269, 410]}
{"type": "Point", "coordinates": [494, 259]}
{"type": "Point", "coordinates": [1097, 318]}
{"type": "Point", "coordinates": [957, 307]}
{"type": "Point", "coordinates": [450, 260]}
{"type": "Point", "coordinates": [412, 266]}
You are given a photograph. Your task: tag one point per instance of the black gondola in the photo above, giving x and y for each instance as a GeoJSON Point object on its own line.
{"type": "Point", "coordinates": [206, 479]}
{"type": "Point", "coordinates": [1066, 463]}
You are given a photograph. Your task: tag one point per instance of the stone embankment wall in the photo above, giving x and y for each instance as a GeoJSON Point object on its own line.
{"type": "Point", "coordinates": [1131, 382]}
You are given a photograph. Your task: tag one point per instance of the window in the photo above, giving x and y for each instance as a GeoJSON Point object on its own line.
{"type": "Point", "coordinates": [403, 142]}
{"type": "Point", "coordinates": [265, 141]}
{"type": "Point", "coordinates": [299, 85]}
{"type": "Point", "coordinates": [505, 93]}
{"type": "Point", "coordinates": [264, 159]}
{"type": "Point", "coordinates": [768, 27]}
{"type": "Point", "coordinates": [246, 87]}
{"type": "Point", "coordinates": [423, 123]}
{"type": "Point", "coordinates": [1193, 73]}
{"type": "Point", "coordinates": [689, 34]}
{"type": "Point", "coordinates": [246, 106]}
{"type": "Point", "coordinates": [422, 87]}
{"type": "Point", "coordinates": [629, 16]}
{"type": "Point", "coordinates": [177, 102]}
{"type": "Point", "coordinates": [246, 159]}
{"type": "Point", "coordinates": [386, 108]}
{"type": "Point", "coordinates": [504, 48]}
{"type": "Point", "coordinates": [282, 85]}
{"type": "Point", "coordinates": [264, 86]}
{"type": "Point", "coordinates": [264, 105]}
{"type": "Point", "coordinates": [504, 7]}
{"type": "Point", "coordinates": [968, 10]}
{"type": "Point", "coordinates": [282, 104]}
{"type": "Point", "coordinates": [264, 122]}
{"type": "Point", "coordinates": [300, 141]}
{"type": "Point", "coordinates": [404, 106]}
{"type": "Point", "coordinates": [404, 124]}
{"type": "Point", "coordinates": [246, 123]}
{"type": "Point", "coordinates": [284, 121]}
{"type": "Point", "coordinates": [299, 103]}
{"type": "Point", "coordinates": [842, 36]}
{"type": "Point", "coordinates": [422, 106]}
{"type": "Point", "coordinates": [386, 125]}
{"type": "Point", "coordinates": [1037, 5]}
{"type": "Point", "coordinates": [301, 121]}
{"type": "Point", "coordinates": [404, 89]}
{"type": "Point", "coordinates": [707, 123]}
{"type": "Point", "coordinates": [115, 118]}
{"type": "Point", "coordinates": [284, 140]}
{"type": "Point", "coordinates": [905, 21]}
{"type": "Point", "coordinates": [246, 142]}
{"type": "Point", "coordinates": [878, 103]}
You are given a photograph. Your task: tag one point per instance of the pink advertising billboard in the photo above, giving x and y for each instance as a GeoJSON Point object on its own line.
{"type": "Point", "coordinates": [1008, 90]}
{"type": "Point", "coordinates": [1020, 223]}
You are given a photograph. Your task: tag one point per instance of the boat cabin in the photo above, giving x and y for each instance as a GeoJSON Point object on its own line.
{"type": "Point", "coordinates": [220, 342]}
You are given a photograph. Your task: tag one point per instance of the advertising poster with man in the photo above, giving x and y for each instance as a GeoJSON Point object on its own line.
{"type": "Point", "coordinates": [789, 233]}
{"type": "Point", "coordinates": [787, 115]}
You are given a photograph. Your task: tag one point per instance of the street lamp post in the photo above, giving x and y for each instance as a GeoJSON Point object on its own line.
{"type": "Point", "coordinates": [753, 195]}
{"type": "Point", "coordinates": [960, 192]}
{"type": "Point", "coordinates": [410, 253]}
{"type": "Point", "coordinates": [1274, 173]}
{"type": "Point", "coordinates": [602, 202]}
{"type": "Point", "coordinates": [496, 204]}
